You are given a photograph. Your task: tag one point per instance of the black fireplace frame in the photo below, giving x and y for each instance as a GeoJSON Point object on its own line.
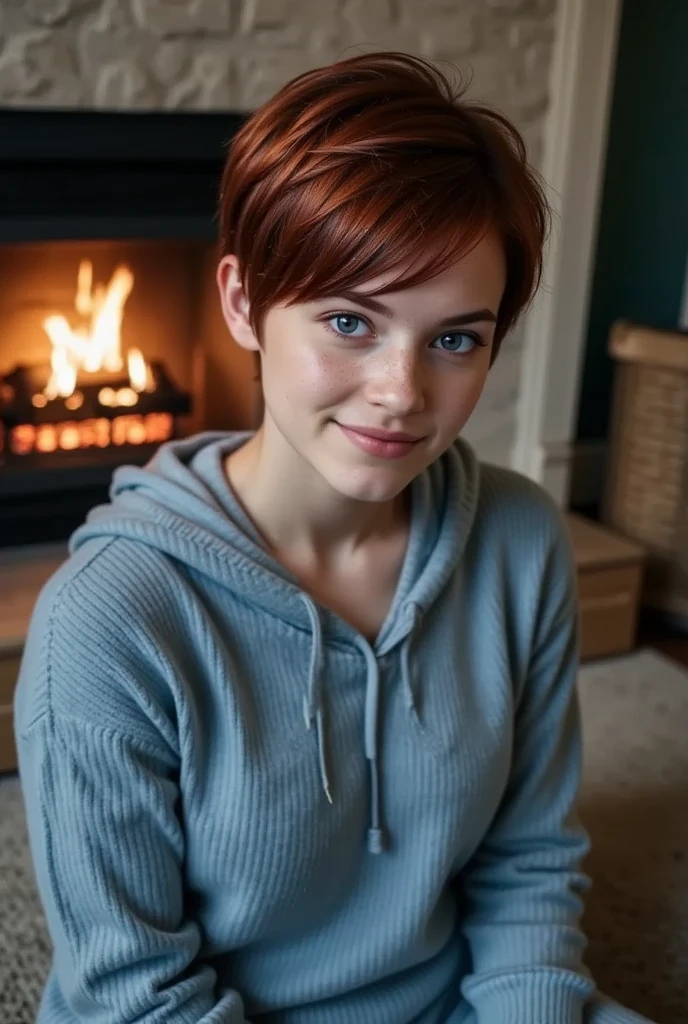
{"type": "Point", "coordinates": [88, 174]}
{"type": "Point", "coordinates": [85, 175]}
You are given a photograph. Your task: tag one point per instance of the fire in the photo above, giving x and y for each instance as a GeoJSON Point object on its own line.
{"type": "Point", "coordinates": [140, 374]}
{"type": "Point", "coordinates": [153, 428]}
{"type": "Point", "coordinates": [96, 344]}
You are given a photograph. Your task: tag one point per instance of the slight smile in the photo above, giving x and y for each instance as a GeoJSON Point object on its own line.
{"type": "Point", "coordinates": [384, 444]}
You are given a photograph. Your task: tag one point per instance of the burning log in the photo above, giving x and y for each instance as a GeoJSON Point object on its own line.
{"type": "Point", "coordinates": [92, 416]}
{"type": "Point", "coordinates": [85, 398]}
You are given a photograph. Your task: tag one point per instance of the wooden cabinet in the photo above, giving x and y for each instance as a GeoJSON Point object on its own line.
{"type": "Point", "coordinates": [610, 576]}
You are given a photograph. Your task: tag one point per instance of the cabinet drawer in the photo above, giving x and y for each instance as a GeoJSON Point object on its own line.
{"type": "Point", "coordinates": [609, 600]}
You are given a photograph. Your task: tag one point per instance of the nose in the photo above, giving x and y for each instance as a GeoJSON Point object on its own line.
{"type": "Point", "coordinates": [395, 382]}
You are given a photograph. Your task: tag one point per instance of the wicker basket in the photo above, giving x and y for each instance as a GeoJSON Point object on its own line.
{"type": "Point", "coordinates": [647, 493]}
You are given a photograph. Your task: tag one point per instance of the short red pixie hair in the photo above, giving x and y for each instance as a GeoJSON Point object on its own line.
{"type": "Point", "coordinates": [376, 165]}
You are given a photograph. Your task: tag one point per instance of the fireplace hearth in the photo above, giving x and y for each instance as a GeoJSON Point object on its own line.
{"type": "Point", "coordinates": [111, 339]}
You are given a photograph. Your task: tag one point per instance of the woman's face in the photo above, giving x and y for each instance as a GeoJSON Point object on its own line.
{"type": "Point", "coordinates": [343, 377]}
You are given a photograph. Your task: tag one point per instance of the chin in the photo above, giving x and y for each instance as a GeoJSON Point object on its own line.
{"type": "Point", "coordinates": [370, 485]}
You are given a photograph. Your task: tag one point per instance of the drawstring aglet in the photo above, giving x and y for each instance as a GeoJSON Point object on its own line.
{"type": "Point", "coordinates": [376, 841]}
{"type": "Point", "coordinates": [328, 795]}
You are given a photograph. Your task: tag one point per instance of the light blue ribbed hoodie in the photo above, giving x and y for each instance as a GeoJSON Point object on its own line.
{"type": "Point", "coordinates": [240, 810]}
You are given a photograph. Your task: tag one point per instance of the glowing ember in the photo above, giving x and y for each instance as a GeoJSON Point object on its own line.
{"type": "Point", "coordinates": [126, 396]}
{"type": "Point", "coordinates": [107, 396]}
{"type": "Point", "coordinates": [96, 344]}
{"type": "Point", "coordinates": [153, 428]}
{"type": "Point", "coordinates": [74, 401]}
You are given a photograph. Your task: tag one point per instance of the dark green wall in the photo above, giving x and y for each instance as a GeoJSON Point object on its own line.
{"type": "Point", "coordinates": [643, 232]}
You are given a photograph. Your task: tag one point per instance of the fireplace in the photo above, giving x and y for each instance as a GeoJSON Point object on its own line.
{"type": "Point", "coordinates": [92, 401]}
{"type": "Point", "coordinates": [111, 338]}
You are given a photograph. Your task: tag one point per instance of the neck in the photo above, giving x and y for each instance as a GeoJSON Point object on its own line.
{"type": "Point", "coordinates": [296, 510]}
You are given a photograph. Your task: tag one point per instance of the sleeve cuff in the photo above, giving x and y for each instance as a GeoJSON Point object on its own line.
{"type": "Point", "coordinates": [543, 996]}
{"type": "Point", "coordinates": [539, 996]}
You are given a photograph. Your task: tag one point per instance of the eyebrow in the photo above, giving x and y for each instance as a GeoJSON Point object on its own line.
{"type": "Point", "coordinates": [367, 301]}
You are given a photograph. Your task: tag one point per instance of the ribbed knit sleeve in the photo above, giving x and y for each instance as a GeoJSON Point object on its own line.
{"type": "Point", "coordinates": [108, 847]}
{"type": "Point", "coordinates": [523, 888]}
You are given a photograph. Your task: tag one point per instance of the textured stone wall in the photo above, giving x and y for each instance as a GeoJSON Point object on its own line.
{"type": "Point", "coordinates": [220, 54]}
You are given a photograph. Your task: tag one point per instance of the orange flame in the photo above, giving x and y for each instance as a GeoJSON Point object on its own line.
{"type": "Point", "coordinates": [98, 345]}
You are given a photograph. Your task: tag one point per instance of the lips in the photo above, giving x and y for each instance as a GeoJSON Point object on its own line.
{"type": "Point", "coordinates": [382, 444]}
{"type": "Point", "coordinates": [382, 435]}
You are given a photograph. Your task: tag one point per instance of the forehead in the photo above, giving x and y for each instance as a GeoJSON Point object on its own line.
{"type": "Point", "coordinates": [478, 277]}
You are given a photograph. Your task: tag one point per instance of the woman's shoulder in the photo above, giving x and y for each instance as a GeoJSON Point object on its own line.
{"type": "Point", "coordinates": [522, 546]}
{"type": "Point", "coordinates": [519, 518]}
{"type": "Point", "coordinates": [115, 581]}
{"type": "Point", "coordinates": [96, 638]}
{"type": "Point", "coordinates": [501, 486]}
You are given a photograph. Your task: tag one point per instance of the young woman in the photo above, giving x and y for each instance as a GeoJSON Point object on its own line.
{"type": "Point", "coordinates": [297, 722]}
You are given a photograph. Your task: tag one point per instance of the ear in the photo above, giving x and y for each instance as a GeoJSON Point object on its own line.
{"type": "Point", "coordinates": [234, 302]}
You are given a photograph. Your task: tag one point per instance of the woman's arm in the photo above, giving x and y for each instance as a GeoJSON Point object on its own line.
{"type": "Point", "coordinates": [98, 779]}
{"type": "Point", "coordinates": [523, 889]}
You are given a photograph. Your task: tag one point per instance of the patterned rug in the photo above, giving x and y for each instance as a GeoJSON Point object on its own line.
{"type": "Point", "coordinates": [635, 806]}
{"type": "Point", "coordinates": [634, 803]}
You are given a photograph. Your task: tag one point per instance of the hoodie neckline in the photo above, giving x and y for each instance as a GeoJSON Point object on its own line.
{"type": "Point", "coordinates": [433, 492]}
{"type": "Point", "coordinates": [182, 504]}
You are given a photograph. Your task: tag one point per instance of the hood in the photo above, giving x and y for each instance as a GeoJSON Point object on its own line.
{"type": "Point", "coordinates": [181, 505]}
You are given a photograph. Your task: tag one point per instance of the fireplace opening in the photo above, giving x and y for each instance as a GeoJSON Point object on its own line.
{"type": "Point", "coordinates": [107, 349]}
{"type": "Point", "coordinates": [111, 334]}
{"type": "Point", "coordinates": [90, 397]}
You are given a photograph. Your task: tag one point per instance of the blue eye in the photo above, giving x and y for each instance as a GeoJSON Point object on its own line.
{"type": "Point", "coordinates": [456, 341]}
{"type": "Point", "coordinates": [348, 324]}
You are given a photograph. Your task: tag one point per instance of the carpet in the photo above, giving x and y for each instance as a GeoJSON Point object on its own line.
{"type": "Point", "coordinates": [634, 803]}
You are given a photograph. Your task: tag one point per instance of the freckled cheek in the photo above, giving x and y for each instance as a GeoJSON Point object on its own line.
{"type": "Point", "coordinates": [324, 378]}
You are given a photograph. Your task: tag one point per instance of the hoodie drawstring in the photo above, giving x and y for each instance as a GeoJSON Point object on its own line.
{"type": "Point", "coordinates": [312, 702]}
{"type": "Point", "coordinates": [313, 711]}
{"type": "Point", "coordinates": [407, 680]}
{"type": "Point", "coordinates": [376, 836]}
